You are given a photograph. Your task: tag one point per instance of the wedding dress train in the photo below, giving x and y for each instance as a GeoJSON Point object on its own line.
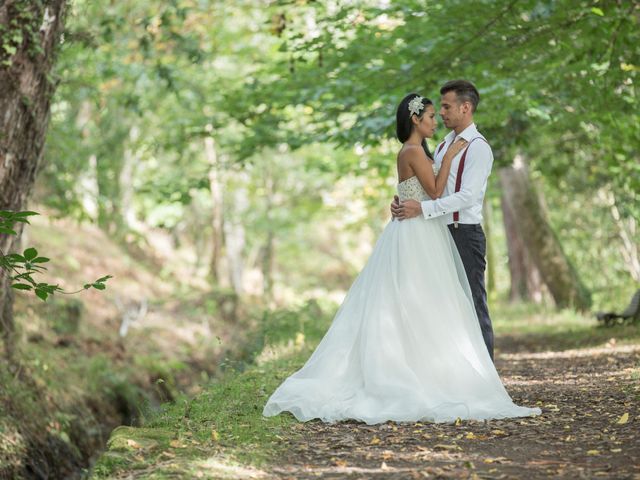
{"type": "Point", "coordinates": [406, 344]}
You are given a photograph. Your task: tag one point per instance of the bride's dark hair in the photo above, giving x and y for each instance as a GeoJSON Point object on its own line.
{"type": "Point", "coordinates": [404, 126]}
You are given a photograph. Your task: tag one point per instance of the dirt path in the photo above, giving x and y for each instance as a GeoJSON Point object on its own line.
{"type": "Point", "coordinates": [584, 431]}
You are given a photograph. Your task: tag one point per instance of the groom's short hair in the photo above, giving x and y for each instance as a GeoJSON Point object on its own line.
{"type": "Point", "coordinates": [465, 91]}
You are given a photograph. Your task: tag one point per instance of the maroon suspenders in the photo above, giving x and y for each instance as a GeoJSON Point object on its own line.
{"type": "Point", "coordinates": [456, 215]}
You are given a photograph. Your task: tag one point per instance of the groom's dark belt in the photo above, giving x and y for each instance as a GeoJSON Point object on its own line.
{"type": "Point", "coordinates": [466, 226]}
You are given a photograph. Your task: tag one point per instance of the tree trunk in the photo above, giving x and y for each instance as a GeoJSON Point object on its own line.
{"type": "Point", "coordinates": [217, 236]}
{"type": "Point", "coordinates": [267, 265]}
{"type": "Point", "coordinates": [627, 231]}
{"type": "Point", "coordinates": [269, 245]}
{"type": "Point", "coordinates": [526, 216]}
{"type": "Point", "coordinates": [234, 234]}
{"type": "Point", "coordinates": [31, 33]}
{"type": "Point", "coordinates": [526, 283]}
{"type": "Point", "coordinates": [491, 257]}
{"type": "Point", "coordinates": [87, 180]}
{"type": "Point", "coordinates": [127, 174]}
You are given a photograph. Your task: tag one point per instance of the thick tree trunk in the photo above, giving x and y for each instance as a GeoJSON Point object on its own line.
{"type": "Point", "coordinates": [526, 283]}
{"type": "Point", "coordinates": [31, 33]}
{"type": "Point", "coordinates": [529, 220]}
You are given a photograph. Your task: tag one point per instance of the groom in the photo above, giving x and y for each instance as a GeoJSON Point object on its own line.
{"type": "Point", "coordinates": [461, 202]}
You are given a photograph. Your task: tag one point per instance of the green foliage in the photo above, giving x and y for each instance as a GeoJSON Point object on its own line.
{"type": "Point", "coordinates": [65, 315]}
{"type": "Point", "coordinates": [298, 100]}
{"type": "Point", "coordinates": [112, 384]}
{"type": "Point", "coordinates": [558, 72]}
{"type": "Point", "coordinates": [164, 373]}
{"type": "Point", "coordinates": [22, 268]}
{"type": "Point", "coordinates": [306, 323]}
{"type": "Point", "coordinates": [22, 33]}
{"type": "Point", "coordinates": [145, 84]}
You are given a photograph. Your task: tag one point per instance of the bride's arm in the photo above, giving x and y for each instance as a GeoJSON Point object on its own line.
{"type": "Point", "coordinates": [445, 167]}
{"type": "Point", "coordinates": [423, 168]}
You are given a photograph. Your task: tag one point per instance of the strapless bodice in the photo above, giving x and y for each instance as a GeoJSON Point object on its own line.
{"type": "Point", "coordinates": [411, 189]}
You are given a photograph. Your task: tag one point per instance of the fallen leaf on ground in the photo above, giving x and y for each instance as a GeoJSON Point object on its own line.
{"type": "Point", "coordinates": [442, 446]}
{"type": "Point", "coordinates": [623, 419]}
{"type": "Point", "coordinates": [133, 444]}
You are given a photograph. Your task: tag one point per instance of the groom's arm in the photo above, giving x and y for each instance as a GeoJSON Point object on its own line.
{"type": "Point", "coordinates": [476, 171]}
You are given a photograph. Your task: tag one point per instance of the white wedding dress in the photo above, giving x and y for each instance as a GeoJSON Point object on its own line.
{"type": "Point", "coordinates": [406, 344]}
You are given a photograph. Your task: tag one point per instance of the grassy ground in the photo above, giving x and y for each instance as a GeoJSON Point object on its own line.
{"type": "Point", "coordinates": [537, 328]}
{"type": "Point", "coordinates": [221, 433]}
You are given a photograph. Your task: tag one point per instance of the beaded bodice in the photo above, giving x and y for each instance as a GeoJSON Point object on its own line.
{"type": "Point", "coordinates": [411, 189]}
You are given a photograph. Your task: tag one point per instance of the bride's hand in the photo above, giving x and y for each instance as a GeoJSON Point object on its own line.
{"type": "Point", "coordinates": [454, 149]}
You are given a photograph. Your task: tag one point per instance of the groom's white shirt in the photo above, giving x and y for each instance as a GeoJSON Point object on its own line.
{"type": "Point", "coordinates": [477, 167]}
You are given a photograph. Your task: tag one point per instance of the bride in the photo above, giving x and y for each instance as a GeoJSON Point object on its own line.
{"type": "Point", "coordinates": [406, 344]}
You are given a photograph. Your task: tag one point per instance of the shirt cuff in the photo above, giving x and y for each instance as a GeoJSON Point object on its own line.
{"type": "Point", "coordinates": [429, 210]}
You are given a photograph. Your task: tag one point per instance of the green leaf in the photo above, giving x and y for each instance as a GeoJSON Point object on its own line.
{"type": "Point", "coordinates": [30, 253]}
{"type": "Point", "coordinates": [597, 11]}
{"type": "Point", "coordinates": [25, 214]}
{"type": "Point", "coordinates": [21, 286]}
{"type": "Point", "coordinates": [41, 294]}
{"type": "Point", "coordinates": [24, 276]}
{"type": "Point", "coordinates": [7, 231]}
{"type": "Point", "coordinates": [104, 279]}
{"type": "Point", "coordinates": [16, 257]}
{"type": "Point", "coordinates": [99, 286]}
{"type": "Point", "coordinates": [10, 49]}
{"type": "Point", "coordinates": [40, 260]}
{"type": "Point", "coordinates": [45, 287]}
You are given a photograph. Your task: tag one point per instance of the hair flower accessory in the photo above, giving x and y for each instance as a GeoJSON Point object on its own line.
{"type": "Point", "coordinates": [416, 105]}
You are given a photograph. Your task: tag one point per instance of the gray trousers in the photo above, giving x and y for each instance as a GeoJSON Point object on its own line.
{"type": "Point", "coordinates": [472, 246]}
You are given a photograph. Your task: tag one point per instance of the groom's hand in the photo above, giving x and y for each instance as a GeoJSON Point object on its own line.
{"type": "Point", "coordinates": [408, 209]}
{"type": "Point", "coordinates": [395, 207]}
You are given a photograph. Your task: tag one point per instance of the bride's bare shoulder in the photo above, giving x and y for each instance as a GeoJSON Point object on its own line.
{"type": "Point", "coordinates": [410, 153]}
